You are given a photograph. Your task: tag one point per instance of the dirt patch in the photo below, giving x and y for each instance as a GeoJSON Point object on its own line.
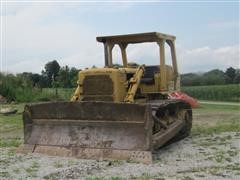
{"type": "Point", "coordinates": [197, 157]}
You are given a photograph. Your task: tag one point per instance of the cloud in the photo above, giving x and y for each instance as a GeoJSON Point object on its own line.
{"type": "Point", "coordinates": [27, 40]}
{"type": "Point", "coordinates": [207, 58]}
{"type": "Point", "coordinates": [34, 35]}
{"type": "Point", "coordinates": [85, 58]}
{"type": "Point", "coordinates": [31, 65]}
{"type": "Point", "coordinates": [189, 60]}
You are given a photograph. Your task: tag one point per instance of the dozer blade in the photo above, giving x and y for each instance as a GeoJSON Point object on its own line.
{"type": "Point", "coordinates": [94, 130]}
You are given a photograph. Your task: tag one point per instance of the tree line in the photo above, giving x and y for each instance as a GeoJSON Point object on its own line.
{"type": "Point", "coordinates": [55, 76]}
{"type": "Point", "coordinates": [52, 76]}
{"type": "Point", "coordinates": [213, 77]}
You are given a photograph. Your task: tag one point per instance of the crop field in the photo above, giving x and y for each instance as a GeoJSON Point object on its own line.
{"type": "Point", "coordinates": [211, 152]}
{"type": "Point", "coordinates": [214, 92]}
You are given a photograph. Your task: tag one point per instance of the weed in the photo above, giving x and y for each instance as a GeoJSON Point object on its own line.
{"type": "Point", "coordinates": [10, 142]}
{"type": "Point", "coordinates": [232, 153]}
{"type": "Point", "coordinates": [228, 159]}
{"type": "Point", "coordinates": [72, 162]}
{"type": "Point", "coordinates": [214, 148]}
{"type": "Point", "coordinates": [11, 152]}
{"type": "Point", "coordinates": [230, 126]}
{"type": "Point", "coordinates": [214, 171]}
{"type": "Point", "coordinates": [146, 176]}
{"type": "Point", "coordinates": [93, 178]}
{"type": "Point", "coordinates": [117, 178]}
{"type": "Point", "coordinates": [187, 178]}
{"type": "Point", "coordinates": [4, 174]}
{"type": "Point", "coordinates": [16, 171]}
{"type": "Point", "coordinates": [234, 167]}
{"type": "Point", "coordinates": [58, 164]}
{"type": "Point", "coordinates": [33, 169]}
{"type": "Point", "coordinates": [220, 156]}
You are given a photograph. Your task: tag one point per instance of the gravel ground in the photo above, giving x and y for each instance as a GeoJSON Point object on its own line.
{"type": "Point", "coordinates": [199, 157]}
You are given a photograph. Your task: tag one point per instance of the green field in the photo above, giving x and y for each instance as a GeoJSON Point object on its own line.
{"type": "Point", "coordinates": [214, 92]}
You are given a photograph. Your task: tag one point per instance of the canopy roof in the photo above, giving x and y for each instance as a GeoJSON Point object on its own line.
{"type": "Point", "coordinates": [135, 38]}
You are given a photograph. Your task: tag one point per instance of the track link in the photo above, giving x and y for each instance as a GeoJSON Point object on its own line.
{"type": "Point", "coordinates": [166, 113]}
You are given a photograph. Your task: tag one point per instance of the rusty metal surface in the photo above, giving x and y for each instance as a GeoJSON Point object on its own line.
{"type": "Point", "coordinates": [89, 125]}
{"type": "Point", "coordinates": [89, 153]}
{"type": "Point", "coordinates": [101, 130]}
{"type": "Point", "coordinates": [174, 124]}
{"type": "Point", "coordinates": [136, 38]}
{"type": "Point", "coordinates": [97, 85]}
{"type": "Point", "coordinates": [162, 137]}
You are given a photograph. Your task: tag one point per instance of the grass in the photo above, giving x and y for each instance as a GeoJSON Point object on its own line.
{"type": "Point", "coordinates": [231, 126]}
{"type": "Point", "coordinates": [33, 169]}
{"type": "Point", "coordinates": [206, 108]}
{"type": "Point", "coordinates": [29, 94]}
{"type": "Point", "coordinates": [63, 93]}
{"type": "Point", "coordinates": [4, 174]}
{"type": "Point", "coordinates": [147, 176]}
{"type": "Point", "coordinates": [46, 94]}
{"type": "Point", "coordinates": [117, 178]}
{"type": "Point", "coordinates": [58, 164]}
{"type": "Point", "coordinates": [11, 122]}
{"type": "Point", "coordinates": [227, 122]}
{"type": "Point", "coordinates": [214, 170]}
{"type": "Point", "coordinates": [11, 127]}
{"type": "Point", "coordinates": [10, 142]}
{"type": "Point", "coordinates": [72, 162]}
{"type": "Point", "coordinates": [94, 178]}
{"type": "Point", "coordinates": [212, 141]}
{"type": "Point", "coordinates": [214, 92]}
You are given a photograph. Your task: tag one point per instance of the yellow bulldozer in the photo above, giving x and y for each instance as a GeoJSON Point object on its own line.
{"type": "Point", "coordinates": [121, 113]}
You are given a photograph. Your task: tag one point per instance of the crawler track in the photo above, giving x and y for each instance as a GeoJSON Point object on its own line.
{"type": "Point", "coordinates": [167, 116]}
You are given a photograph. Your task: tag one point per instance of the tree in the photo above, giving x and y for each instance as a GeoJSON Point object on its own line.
{"type": "Point", "coordinates": [67, 77]}
{"type": "Point", "coordinates": [230, 73]}
{"type": "Point", "coordinates": [64, 77]}
{"type": "Point", "coordinates": [52, 68]}
{"type": "Point", "coordinates": [35, 79]}
{"type": "Point", "coordinates": [191, 79]}
{"type": "Point", "coordinates": [213, 77]}
{"type": "Point", "coordinates": [44, 81]}
{"type": "Point", "coordinates": [237, 77]}
{"type": "Point", "coordinates": [26, 79]}
{"type": "Point", "coordinates": [74, 76]}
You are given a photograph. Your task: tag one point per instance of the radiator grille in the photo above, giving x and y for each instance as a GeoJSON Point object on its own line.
{"type": "Point", "coordinates": [97, 85]}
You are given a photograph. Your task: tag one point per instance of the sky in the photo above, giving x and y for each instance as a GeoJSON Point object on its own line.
{"type": "Point", "coordinates": [36, 32]}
